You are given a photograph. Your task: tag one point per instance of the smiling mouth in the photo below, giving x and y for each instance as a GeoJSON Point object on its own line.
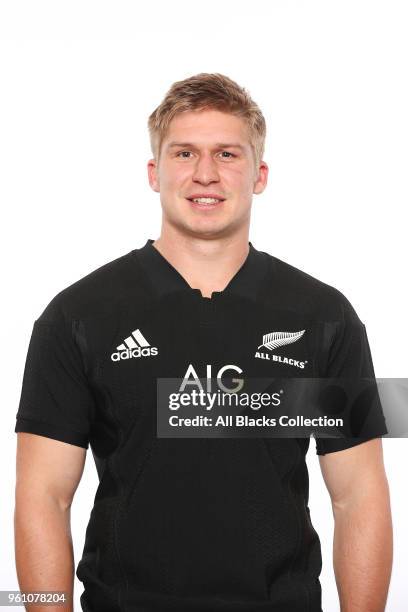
{"type": "Point", "coordinates": [206, 202]}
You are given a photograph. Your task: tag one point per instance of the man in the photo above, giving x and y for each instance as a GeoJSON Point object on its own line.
{"type": "Point", "coordinates": [194, 524]}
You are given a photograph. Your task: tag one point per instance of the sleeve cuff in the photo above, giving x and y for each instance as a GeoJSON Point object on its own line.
{"type": "Point", "coordinates": [333, 445]}
{"type": "Point", "coordinates": [49, 430]}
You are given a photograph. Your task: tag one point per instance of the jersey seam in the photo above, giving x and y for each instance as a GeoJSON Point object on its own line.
{"type": "Point", "coordinates": [120, 497]}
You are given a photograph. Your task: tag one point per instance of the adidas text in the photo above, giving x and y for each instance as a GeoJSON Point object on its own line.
{"type": "Point", "coordinates": [136, 352]}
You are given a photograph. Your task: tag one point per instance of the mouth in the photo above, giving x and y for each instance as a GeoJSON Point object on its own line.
{"type": "Point", "coordinates": [206, 202]}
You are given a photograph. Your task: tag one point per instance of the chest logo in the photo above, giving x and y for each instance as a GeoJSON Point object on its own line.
{"type": "Point", "coordinates": [134, 345]}
{"type": "Point", "coordinates": [274, 340]}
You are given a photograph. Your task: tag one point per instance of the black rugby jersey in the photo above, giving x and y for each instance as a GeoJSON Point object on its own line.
{"type": "Point", "coordinates": [193, 524]}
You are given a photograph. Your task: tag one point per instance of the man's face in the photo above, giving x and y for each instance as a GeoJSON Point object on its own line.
{"type": "Point", "coordinates": [207, 154]}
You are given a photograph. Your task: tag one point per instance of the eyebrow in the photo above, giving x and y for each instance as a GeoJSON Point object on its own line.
{"type": "Point", "coordinates": [221, 145]}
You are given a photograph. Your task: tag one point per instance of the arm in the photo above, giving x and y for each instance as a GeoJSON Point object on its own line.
{"type": "Point", "coordinates": [48, 473]}
{"type": "Point", "coordinates": [362, 550]}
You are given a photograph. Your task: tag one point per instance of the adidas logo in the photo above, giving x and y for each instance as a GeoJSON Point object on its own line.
{"type": "Point", "coordinates": [134, 345]}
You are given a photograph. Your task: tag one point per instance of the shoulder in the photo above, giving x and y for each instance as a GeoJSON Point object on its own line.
{"type": "Point", "coordinates": [295, 289]}
{"type": "Point", "coordinates": [99, 291]}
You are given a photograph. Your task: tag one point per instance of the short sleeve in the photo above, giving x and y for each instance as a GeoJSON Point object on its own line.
{"type": "Point", "coordinates": [56, 400]}
{"type": "Point", "coordinates": [350, 358]}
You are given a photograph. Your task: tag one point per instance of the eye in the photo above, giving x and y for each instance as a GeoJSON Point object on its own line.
{"type": "Point", "coordinates": [227, 153]}
{"type": "Point", "coordinates": [183, 154]}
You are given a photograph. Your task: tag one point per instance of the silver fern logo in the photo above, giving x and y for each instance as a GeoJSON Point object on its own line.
{"type": "Point", "coordinates": [273, 340]}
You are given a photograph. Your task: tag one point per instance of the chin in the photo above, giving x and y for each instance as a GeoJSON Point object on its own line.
{"type": "Point", "coordinates": [207, 230]}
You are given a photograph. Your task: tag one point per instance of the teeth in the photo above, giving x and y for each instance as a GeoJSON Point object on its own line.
{"type": "Point", "coordinates": [206, 200]}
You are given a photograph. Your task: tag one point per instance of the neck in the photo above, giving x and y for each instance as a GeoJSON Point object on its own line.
{"type": "Point", "coordinates": [206, 264]}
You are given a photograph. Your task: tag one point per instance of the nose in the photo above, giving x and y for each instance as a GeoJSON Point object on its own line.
{"type": "Point", "coordinates": [205, 170]}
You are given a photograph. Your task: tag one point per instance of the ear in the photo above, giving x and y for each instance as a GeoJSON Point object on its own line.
{"type": "Point", "coordinates": [261, 178]}
{"type": "Point", "coordinates": [153, 175]}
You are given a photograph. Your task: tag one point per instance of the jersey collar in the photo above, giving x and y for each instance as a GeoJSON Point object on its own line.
{"type": "Point", "coordinates": [164, 278]}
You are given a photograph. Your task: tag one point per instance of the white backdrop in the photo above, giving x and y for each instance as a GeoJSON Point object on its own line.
{"type": "Point", "coordinates": [78, 80]}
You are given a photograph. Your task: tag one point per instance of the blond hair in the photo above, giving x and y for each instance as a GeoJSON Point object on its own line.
{"type": "Point", "coordinates": [208, 91]}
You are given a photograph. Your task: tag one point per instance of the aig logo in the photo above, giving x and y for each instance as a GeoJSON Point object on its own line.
{"type": "Point", "coordinates": [191, 378]}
